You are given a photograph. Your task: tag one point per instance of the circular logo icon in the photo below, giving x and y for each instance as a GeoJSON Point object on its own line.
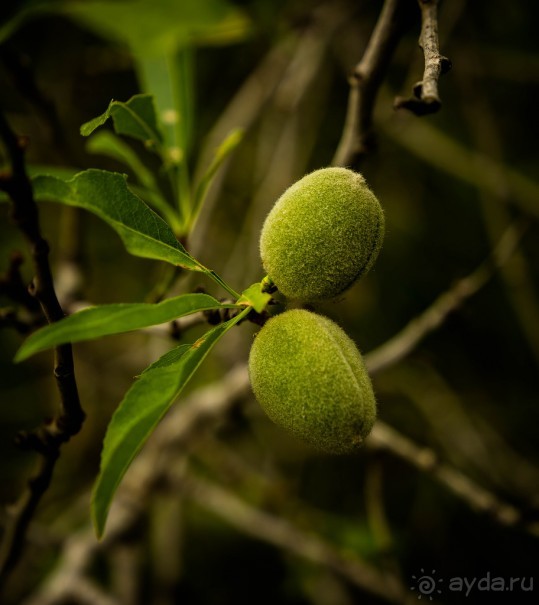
{"type": "Point", "coordinates": [426, 585]}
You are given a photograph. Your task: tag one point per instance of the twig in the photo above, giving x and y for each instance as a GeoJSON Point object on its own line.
{"type": "Point", "coordinates": [13, 286]}
{"type": "Point", "coordinates": [400, 345]}
{"type": "Point", "coordinates": [286, 535]}
{"type": "Point", "coordinates": [63, 584]}
{"type": "Point", "coordinates": [10, 319]}
{"type": "Point", "coordinates": [358, 138]}
{"type": "Point", "coordinates": [426, 98]}
{"type": "Point", "coordinates": [48, 439]}
{"type": "Point", "coordinates": [425, 459]}
{"type": "Point", "coordinates": [202, 409]}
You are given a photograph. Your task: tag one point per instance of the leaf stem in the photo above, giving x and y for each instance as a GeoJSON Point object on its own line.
{"type": "Point", "coordinates": [184, 196]}
{"type": "Point", "coordinates": [212, 275]}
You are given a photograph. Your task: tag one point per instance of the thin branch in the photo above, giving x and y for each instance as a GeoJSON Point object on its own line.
{"type": "Point", "coordinates": [10, 319]}
{"type": "Point", "coordinates": [284, 534]}
{"type": "Point", "coordinates": [12, 284]}
{"type": "Point", "coordinates": [69, 577]}
{"type": "Point", "coordinates": [426, 98]}
{"type": "Point", "coordinates": [27, 315]}
{"type": "Point", "coordinates": [358, 138]}
{"type": "Point", "coordinates": [425, 459]}
{"type": "Point", "coordinates": [201, 410]}
{"type": "Point", "coordinates": [48, 439]}
{"type": "Point", "coordinates": [403, 343]}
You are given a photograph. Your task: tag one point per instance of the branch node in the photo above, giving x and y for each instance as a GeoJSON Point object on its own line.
{"type": "Point", "coordinates": [445, 65]}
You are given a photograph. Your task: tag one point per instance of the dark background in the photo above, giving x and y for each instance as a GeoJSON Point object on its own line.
{"type": "Point", "coordinates": [469, 390]}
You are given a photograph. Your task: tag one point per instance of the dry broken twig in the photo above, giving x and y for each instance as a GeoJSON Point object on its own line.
{"type": "Point", "coordinates": [426, 98]}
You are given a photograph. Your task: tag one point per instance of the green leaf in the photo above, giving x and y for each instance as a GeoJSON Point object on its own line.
{"type": "Point", "coordinates": [106, 194]}
{"type": "Point", "coordinates": [153, 27]}
{"type": "Point", "coordinates": [156, 75]}
{"type": "Point", "coordinates": [60, 172]}
{"type": "Point", "coordinates": [105, 320]}
{"type": "Point", "coordinates": [170, 78]}
{"type": "Point", "coordinates": [155, 200]}
{"type": "Point", "coordinates": [136, 119]}
{"type": "Point", "coordinates": [33, 170]}
{"type": "Point", "coordinates": [255, 297]}
{"type": "Point", "coordinates": [142, 408]}
{"type": "Point", "coordinates": [109, 144]}
{"type": "Point", "coordinates": [168, 358]}
{"type": "Point", "coordinates": [232, 140]}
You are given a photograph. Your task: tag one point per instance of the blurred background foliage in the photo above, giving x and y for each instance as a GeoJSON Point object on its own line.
{"type": "Point", "coordinates": [450, 184]}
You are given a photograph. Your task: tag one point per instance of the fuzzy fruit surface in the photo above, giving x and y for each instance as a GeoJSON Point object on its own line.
{"type": "Point", "coordinates": [309, 378]}
{"type": "Point", "coordinates": [323, 233]}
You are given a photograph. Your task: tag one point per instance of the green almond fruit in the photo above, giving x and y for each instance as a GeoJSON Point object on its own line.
{"type": "Point", "coordinates": [323, 234]}
{"type": "Point", "coordinates": [309, 378]}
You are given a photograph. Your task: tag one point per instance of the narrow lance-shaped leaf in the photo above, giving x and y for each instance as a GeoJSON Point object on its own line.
{"type": "Point", "coordinates": [232, 140]}
{"type": "Point", "coordinates": [154, 73]}
{"type": "Point", "coordinates": [106, 194]}
{"type": "Point", "coordinates": [136, 118]}
{"type": "Point", "coordinates": [144, 405]}
{"type": "Point", "coordinates": [151, 28]}
{"type": "Point", "coordinates": [105, 320]}
{"type": "Point", "coordinates": [111, 145]}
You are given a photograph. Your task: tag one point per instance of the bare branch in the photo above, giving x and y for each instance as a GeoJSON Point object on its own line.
{"type": "Point", "coordinates": [426, 99]}
{"type": "Point", "coordinates": [199, 411]}
{"type": "Point", "coordinates": [425, 459]}
{"type": "Point", "coordinates": [48, 439]}
{"type": "Point", "coordinates": [403, 343]}
{"type": "Point", "coordinates": [358, 138]}
{"type": "Point", "coordinates": [284, 534]}
{"type": "Point", "coordinates": [69, 580]}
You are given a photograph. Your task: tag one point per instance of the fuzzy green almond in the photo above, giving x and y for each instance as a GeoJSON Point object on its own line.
{"type": "Point", "coordinates": [309, 378]}
{"type": "Point", "coordinates": [323, 234]}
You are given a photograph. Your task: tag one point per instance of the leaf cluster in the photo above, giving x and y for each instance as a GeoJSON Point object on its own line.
{"type": "Point", "coordinates": [149, 234]}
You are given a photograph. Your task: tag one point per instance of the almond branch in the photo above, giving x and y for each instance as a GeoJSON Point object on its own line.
{"type": "Point", "coordinates": [358, 138]}
{"type": "Point", "coordinates": [426, 98]}
{"type": "Point", "coordinates": [48, 438]}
